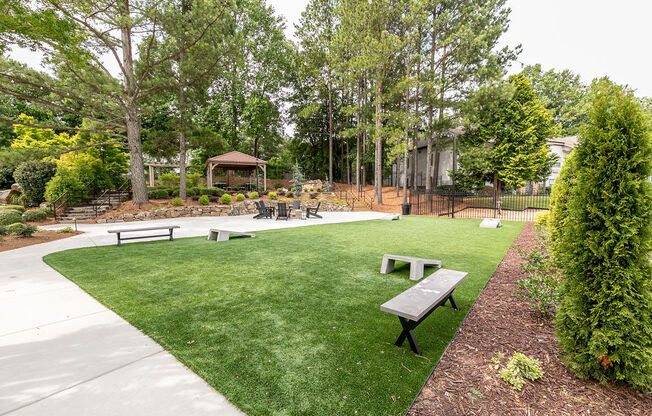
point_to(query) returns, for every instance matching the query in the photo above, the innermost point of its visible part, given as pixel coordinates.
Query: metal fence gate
(508, 206)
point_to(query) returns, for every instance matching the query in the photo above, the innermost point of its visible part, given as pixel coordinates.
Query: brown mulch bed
(502, 322)
(11, 242)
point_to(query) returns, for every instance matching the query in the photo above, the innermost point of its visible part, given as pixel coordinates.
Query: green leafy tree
(604, 320)
(511, 127)
(560, 197)
(562, 93)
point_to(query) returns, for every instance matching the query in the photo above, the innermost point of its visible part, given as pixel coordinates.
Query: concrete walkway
(63, 353)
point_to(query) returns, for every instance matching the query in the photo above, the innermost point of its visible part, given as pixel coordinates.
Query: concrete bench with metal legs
(417, 303)
(224, 235)
(119, 233)
(417, 265)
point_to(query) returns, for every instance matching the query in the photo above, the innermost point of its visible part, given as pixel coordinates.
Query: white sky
(592, 38)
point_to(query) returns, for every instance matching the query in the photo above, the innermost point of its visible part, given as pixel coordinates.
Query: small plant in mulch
(541, 287)
(65, 230)
(518, 368)
(177, 202)
(22, 230)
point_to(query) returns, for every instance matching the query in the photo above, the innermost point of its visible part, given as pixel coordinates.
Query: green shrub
(541, 287)
(169, 180)
(18, 208)
(6, 177)
(278, 185)
(604, 318)
(226, 199)
(177, 202)
(34, 215)
(518, 368)
(203, 200)
(192, 180)
(10, 216)
(47, 211)
(272, 195)
(32, 176)
(173, 191)
(289, 194)
(239, 197)
(3, 230)
(320, 190)
(64, 230)
(211, 191)
(158, 193)
(65, 180)
(22, 230)
(253, 195)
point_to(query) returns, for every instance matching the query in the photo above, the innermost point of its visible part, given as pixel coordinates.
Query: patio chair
(263, 212)
(283, 212)
(313, 211)
(271, 209)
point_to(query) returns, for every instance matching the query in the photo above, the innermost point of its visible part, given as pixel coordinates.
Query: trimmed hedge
(22, 230)
(158, 193)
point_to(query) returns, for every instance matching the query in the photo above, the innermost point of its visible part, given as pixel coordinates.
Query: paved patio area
(63, 353)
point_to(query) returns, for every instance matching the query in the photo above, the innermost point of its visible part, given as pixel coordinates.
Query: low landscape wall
(239, 208)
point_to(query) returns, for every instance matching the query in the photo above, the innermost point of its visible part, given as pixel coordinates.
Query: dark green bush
(34, 215)
(213, 198)
(604, 318)
(560, 196)
(204, 200)
(10, 216)
(158, 193)
(278, 185)
(173, 191)
(211, 191)
(6, 177)
(3, 230)
(18, 208)
(193, 191)
(33, 176)
(22, 230)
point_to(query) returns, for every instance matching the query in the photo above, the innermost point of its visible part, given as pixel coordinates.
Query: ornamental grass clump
(604, 319)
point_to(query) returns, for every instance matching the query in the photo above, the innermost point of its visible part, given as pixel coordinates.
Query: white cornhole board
(490, 223)
(391, 217)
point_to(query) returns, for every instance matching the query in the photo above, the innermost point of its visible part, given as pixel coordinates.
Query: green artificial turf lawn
(289, 322)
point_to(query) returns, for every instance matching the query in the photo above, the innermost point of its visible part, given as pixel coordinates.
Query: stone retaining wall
(239, 208)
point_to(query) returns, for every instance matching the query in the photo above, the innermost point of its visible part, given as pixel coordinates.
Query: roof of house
(234, 160)
(569, 141)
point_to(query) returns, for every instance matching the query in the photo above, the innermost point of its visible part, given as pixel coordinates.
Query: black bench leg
(118, 234)
(408, 326)
(171, 238)
(453, 304)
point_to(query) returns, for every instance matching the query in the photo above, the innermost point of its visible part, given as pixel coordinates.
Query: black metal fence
(478, 204)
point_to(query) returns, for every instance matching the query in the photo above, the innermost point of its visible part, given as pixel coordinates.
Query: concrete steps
(85, 212)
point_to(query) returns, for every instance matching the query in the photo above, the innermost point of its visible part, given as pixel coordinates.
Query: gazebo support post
(265, 177)
(209, 175)
(151, 175)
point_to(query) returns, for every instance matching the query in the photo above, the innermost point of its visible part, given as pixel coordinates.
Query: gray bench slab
(415, 304)
(417, 264)
(391, 217)
(490, 223)
(121, 231)
(224, 235)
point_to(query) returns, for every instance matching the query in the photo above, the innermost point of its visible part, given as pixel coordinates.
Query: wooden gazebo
(235, 161)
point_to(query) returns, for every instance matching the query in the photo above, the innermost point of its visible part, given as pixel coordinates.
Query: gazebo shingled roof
(234, 161)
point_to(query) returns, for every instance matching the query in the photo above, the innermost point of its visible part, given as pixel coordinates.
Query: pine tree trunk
(182, 133)
(132, 119)
(330, 127)
(378, 167)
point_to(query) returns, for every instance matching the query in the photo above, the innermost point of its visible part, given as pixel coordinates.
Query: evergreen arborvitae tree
(297, 186)
(560, 196)
(604, 320)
